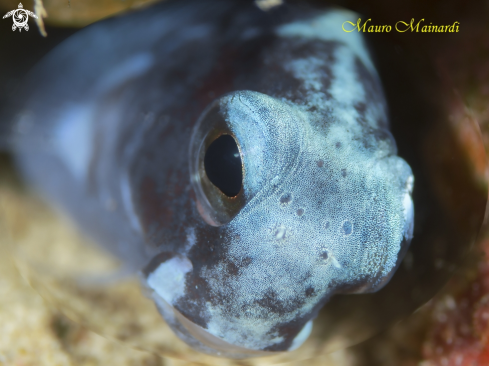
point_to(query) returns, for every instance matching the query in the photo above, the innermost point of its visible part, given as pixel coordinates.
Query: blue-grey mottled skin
(103, 130)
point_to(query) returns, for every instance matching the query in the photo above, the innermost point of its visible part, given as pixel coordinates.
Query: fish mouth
(165, 275)
(201, 339)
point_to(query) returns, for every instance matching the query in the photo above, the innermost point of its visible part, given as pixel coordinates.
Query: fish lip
(206, 342)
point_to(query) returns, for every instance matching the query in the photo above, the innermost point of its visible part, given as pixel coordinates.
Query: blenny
(240, 159)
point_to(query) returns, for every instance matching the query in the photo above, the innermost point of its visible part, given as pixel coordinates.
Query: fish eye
(216, 168)
(223, 165)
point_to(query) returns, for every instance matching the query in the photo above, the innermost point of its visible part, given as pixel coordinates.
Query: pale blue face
(326, 212)
(325, 203)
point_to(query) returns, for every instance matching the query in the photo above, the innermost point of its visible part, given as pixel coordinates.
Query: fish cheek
(174, 287)
(184, 296)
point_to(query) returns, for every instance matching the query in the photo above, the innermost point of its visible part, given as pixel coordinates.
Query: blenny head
(293, 212)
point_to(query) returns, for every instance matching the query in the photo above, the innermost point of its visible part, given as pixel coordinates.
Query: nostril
(347, 227)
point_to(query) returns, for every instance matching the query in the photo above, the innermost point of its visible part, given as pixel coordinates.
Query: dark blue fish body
(118, 121)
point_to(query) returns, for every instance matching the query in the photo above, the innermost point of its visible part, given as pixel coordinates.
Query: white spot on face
(73, 138)
(336, 263)
(301, 337)
(128, 69)
(280, 233)
(126, 194)
(168, 280)
(410, 184)
(309, 70)
(345, 87)
(408, 208)
(191, 238)
(266, 5)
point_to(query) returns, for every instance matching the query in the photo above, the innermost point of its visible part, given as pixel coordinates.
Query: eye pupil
(222, 164)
